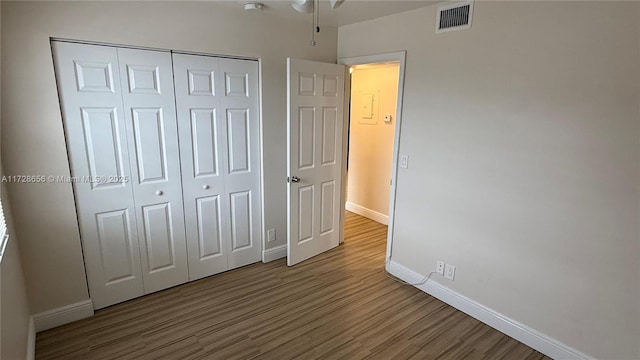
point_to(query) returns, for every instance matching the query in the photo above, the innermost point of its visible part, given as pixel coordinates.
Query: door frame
(393, 57)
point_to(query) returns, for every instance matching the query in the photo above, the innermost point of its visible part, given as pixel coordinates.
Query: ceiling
(351, 11)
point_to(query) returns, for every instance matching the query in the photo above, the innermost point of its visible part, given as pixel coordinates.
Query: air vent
(454, 16)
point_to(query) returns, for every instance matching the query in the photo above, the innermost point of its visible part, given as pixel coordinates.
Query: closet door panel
(240, 107)
(202, 130)
(209, 222)
(94, 122)
(151, 125)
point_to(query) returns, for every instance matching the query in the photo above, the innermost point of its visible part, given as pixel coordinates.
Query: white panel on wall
(366, 112)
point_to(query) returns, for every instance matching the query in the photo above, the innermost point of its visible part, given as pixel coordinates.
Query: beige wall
(33, 138)
(371, 140)
(523, 134)
(14, 306)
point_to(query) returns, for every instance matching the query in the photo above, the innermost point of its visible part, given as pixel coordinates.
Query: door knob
(159, 192)
(206, 187)
(295, 179)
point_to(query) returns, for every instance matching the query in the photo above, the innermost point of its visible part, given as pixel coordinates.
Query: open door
(315, 99)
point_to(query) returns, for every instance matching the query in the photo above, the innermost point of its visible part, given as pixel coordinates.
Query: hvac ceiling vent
(454, 16)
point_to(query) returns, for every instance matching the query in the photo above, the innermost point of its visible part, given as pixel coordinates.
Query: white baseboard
(531, 337)
(31, 340)
(62, 315)
(275, 253)
(368, 213)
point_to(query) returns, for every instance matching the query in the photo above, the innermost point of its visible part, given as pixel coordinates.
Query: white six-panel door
(94, 122)
(315, 95)
(202, 138)
(164, 193)
(242, 160)
(152, 133)
(217, 103)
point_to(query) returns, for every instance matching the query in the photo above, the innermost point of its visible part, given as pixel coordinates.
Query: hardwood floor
(339, 305)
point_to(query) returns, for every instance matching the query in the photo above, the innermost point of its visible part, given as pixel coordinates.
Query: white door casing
(400, 58)
(94, 122)
(217, 103)
(149, 108)
(315, 96)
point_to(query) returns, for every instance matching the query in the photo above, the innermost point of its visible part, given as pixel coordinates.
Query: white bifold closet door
(119, 118)
(152, 133)
(217, 106)
(91, 98)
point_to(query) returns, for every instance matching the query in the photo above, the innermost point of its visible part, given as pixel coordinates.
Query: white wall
(523, 134)
(371, 140)
(33, 138)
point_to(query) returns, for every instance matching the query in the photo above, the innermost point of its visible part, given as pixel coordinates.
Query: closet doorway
(164, 151)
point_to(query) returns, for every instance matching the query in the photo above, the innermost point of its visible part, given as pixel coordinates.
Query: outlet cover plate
(440, 267)
(450, 271)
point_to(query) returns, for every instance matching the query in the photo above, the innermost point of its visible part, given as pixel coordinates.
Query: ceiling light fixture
(253, 6)
(313, 6)
(303, 6)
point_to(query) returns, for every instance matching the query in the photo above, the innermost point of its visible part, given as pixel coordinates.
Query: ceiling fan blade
(336, 3)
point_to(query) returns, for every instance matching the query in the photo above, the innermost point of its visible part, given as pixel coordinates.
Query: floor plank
(338, 305)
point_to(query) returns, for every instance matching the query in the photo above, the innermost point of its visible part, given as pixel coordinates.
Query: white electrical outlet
(440, 267)
(450, 271)
(271, 235)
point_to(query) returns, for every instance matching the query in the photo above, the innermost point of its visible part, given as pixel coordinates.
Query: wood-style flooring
(339, 305)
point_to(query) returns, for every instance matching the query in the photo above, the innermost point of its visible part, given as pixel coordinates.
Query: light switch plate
(404, 161)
